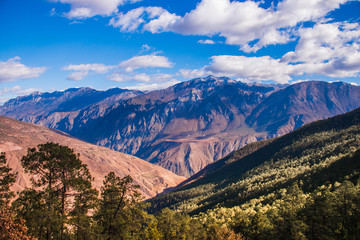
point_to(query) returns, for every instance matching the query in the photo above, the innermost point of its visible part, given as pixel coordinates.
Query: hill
(16, 137)
(318, 154)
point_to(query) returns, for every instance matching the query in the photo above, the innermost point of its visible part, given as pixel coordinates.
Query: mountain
(59, 109)
(322, 153)
(290, 108)
(187, 126)
(182, 128)
(16, 137)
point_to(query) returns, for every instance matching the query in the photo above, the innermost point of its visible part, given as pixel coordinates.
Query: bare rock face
(189, 125)
(16, 137)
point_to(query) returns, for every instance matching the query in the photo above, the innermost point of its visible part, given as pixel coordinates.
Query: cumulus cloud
(146, 61)
(241, 23)
(83, 70)
(328, 49)
(13, 70)
(251, 68)
(81, 9)
(325, 41)
(331, 49)
(153, 19)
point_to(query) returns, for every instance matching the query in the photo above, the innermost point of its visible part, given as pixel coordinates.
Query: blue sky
(48, 45)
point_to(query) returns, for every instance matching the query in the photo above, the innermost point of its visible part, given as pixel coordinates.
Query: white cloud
(13, 70)
(331, 49)
(53, 12)
(328, 49)
(8, 93)
(251, 68)
(153, 19)
(117, 77)
(141, 77)
(244, 22)
(146, 61)
(145, 48)
(240, 23)
(95, 67)
(88, 8)
(83, 70)
(194, 73)
(206, 41)
(153, 86)
(18, 90)
(77, 76)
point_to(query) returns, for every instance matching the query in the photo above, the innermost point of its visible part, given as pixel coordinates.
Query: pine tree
(120, 214)
(59, 175)
(7, 178)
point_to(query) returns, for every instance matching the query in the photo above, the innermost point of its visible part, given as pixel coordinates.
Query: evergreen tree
(60, 176)
(288, 224)
(120, 214)
(7, 178)
(11, 227)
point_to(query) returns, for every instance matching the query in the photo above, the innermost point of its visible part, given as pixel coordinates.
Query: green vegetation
(304, 185)
(249, 190)
(7, 178)
(63, 205)
(11, 226)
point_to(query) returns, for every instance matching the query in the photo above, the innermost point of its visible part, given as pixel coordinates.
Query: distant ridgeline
(302, 185)
(185, 127)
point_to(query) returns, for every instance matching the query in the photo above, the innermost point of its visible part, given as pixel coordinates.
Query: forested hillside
(284, 186)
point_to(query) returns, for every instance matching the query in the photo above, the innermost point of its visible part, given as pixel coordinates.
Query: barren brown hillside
(16, 137)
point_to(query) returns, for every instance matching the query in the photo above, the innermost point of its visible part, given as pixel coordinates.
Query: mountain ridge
(191, 124)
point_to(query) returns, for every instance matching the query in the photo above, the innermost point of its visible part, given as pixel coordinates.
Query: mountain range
(16, 137)
(185, 127)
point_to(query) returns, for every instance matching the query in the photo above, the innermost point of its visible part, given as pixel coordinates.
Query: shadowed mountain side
(314, 155)
(290, 108)
(16, 137)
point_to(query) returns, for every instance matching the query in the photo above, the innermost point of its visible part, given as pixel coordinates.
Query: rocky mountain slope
(59, 109)
(325, 152)
(189, 125)
(16, 137)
